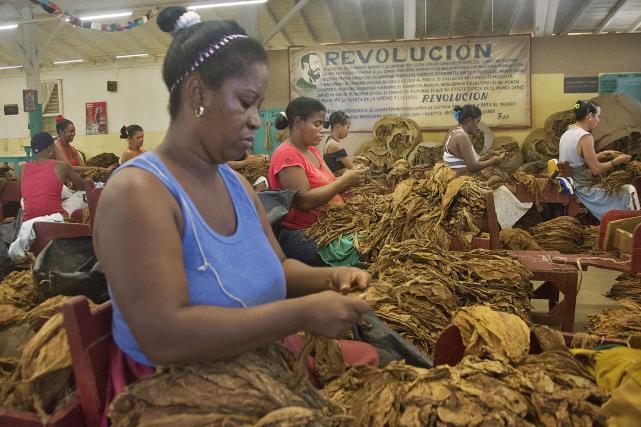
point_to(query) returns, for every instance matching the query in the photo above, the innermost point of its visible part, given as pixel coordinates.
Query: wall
(142, 96)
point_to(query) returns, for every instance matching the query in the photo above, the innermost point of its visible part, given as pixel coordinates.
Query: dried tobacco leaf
(18, 289)
(626, 287)
(518, 240)
(103, 160)
(616, 322)
(615, 178)
(255, 170)
(255, 387)
(563, 234)
(97, 174)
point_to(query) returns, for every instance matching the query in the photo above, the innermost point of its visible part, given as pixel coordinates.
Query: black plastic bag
(69, 267)
(277, 203)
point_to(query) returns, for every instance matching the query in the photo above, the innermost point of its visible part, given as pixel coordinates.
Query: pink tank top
(40, 187)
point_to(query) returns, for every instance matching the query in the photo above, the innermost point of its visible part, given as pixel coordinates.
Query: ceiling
(310, 22)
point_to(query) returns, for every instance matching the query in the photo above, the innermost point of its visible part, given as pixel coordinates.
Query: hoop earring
(200, 111)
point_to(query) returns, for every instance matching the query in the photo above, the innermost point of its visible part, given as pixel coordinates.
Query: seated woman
(42, 179)
(459, 153)
(296, 164)
(335, 155)
(135, 137)
(65, 152)
(577, 148)
(213, 282)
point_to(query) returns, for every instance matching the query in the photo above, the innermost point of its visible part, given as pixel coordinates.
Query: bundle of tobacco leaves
(97, 174)
(549, 389)
(256, 388)
(509, 149)
(494, 177)
(540, 145)
(617, 322)
(6, 175)
(438, 207)
(103, 160)
(518, 240)
(255, 170)
(400, 171)
(418, 310)
(535, 185)
(563, 234)
(626, 287)
(18, 289)
(558, 123)
(426, 153)
(619, 176)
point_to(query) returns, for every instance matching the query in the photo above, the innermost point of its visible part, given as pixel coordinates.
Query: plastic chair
(91, 345)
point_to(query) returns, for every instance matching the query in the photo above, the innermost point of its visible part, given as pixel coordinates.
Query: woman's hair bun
(281, 122)
(123, 132)
(59, 118)
(168, 17)
(458, 108)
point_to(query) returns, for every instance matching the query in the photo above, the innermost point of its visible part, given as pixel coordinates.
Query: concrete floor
(591, 298)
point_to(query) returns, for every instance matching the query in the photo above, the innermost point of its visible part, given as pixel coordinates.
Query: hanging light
(225, 4)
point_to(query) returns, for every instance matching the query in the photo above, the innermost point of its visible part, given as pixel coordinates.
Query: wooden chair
(10, 192)
(47, 231)
(93, 195)
(91, 345)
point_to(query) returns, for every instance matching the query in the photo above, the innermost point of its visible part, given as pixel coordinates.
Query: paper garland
(54, 9)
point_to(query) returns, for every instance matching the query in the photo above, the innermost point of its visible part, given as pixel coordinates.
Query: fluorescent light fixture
(105, 16)
(225, 4)
(135, 55)
(70, 61)
(9, 27)
(10, 67)
(578, 34)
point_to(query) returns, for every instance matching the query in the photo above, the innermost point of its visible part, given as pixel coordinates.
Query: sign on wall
(29, 100)
(626, 83)
(422, 79)
(96, 113)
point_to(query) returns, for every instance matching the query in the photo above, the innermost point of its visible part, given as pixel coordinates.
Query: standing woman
(297, 165)
(459, 153)
(210, 280)
(64, 150)
(135, 137)
(577, 148)
(335, 155)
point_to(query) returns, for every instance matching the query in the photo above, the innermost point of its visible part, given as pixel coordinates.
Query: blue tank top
(239, 270)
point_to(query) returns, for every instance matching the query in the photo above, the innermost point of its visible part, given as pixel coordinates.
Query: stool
(557, 279)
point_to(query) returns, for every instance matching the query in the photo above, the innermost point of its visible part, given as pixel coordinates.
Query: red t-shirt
(287, 156)
(40, 187)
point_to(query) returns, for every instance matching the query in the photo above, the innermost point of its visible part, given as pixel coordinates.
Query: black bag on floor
(69, 267)
(277, 203)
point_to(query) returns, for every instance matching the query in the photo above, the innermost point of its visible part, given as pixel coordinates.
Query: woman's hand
(345, 279)
(354, 177)
(621, 159)
(330, 314)
(605, 153)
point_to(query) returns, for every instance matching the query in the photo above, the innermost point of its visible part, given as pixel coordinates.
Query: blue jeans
(297, 246)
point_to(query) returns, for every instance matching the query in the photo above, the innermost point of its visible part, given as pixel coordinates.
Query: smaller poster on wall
(29, 100)
(96, 113)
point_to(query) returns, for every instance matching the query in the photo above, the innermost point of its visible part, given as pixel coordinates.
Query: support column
(409, 19)
(31, 66)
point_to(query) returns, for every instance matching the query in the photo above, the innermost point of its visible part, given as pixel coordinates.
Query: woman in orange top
(64, 151)
(135, 137)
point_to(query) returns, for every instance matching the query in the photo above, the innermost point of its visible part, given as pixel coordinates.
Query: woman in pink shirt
(296, 164)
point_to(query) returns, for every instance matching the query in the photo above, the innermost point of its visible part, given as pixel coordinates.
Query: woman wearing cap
(135, 137)
(42, 179)
(577, 148)
(64, 150)
(211, 281)
(459, 153)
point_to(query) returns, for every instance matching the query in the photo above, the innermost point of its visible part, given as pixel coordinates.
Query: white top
(450, 159)
(567, 146)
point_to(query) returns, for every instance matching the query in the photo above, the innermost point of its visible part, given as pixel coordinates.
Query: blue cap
(41, 141)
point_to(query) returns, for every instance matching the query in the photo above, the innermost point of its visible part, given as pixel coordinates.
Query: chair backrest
(92, 200)
(492, 221)
(10, 192)
(91, 345)
(565, 169)
(47, 231)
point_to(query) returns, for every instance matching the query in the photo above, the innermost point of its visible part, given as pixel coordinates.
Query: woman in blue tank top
(193, 267)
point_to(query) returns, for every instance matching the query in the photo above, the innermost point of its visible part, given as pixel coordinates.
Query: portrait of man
(310, 65)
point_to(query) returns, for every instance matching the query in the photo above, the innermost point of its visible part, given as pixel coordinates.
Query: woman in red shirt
(296, 164)
(42, 179)
(64, 151)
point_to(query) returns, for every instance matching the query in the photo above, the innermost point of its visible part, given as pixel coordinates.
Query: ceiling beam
(409, 19)
(285, 19)
(635, 25)
(487, 9)
(608, 18)
(516, 12)
(272, 17)
(330, 17)
(545, 17)
(577, 14)
(51, 37)
(309, 29)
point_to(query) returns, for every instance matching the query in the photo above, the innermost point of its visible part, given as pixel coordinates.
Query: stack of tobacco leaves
(103, 160)
(619, 176)
(626, 287)
(18, 289)
(475, 277)
(590, 239)
(255, 170)
(534, 185)
(563, 234)
(6, 175)
(417, 310)
(518, 240)
(36, 368)
(426, 153)
(256, 388)
(437, 208)
(540, 145)
(548, 389)
(494, 178)
(558, 123)
(617, 322)
(97, 174)
(400, 171)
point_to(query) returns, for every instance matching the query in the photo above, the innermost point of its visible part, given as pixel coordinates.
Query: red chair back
(92, 200)
(47, 231)
(91, 345)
